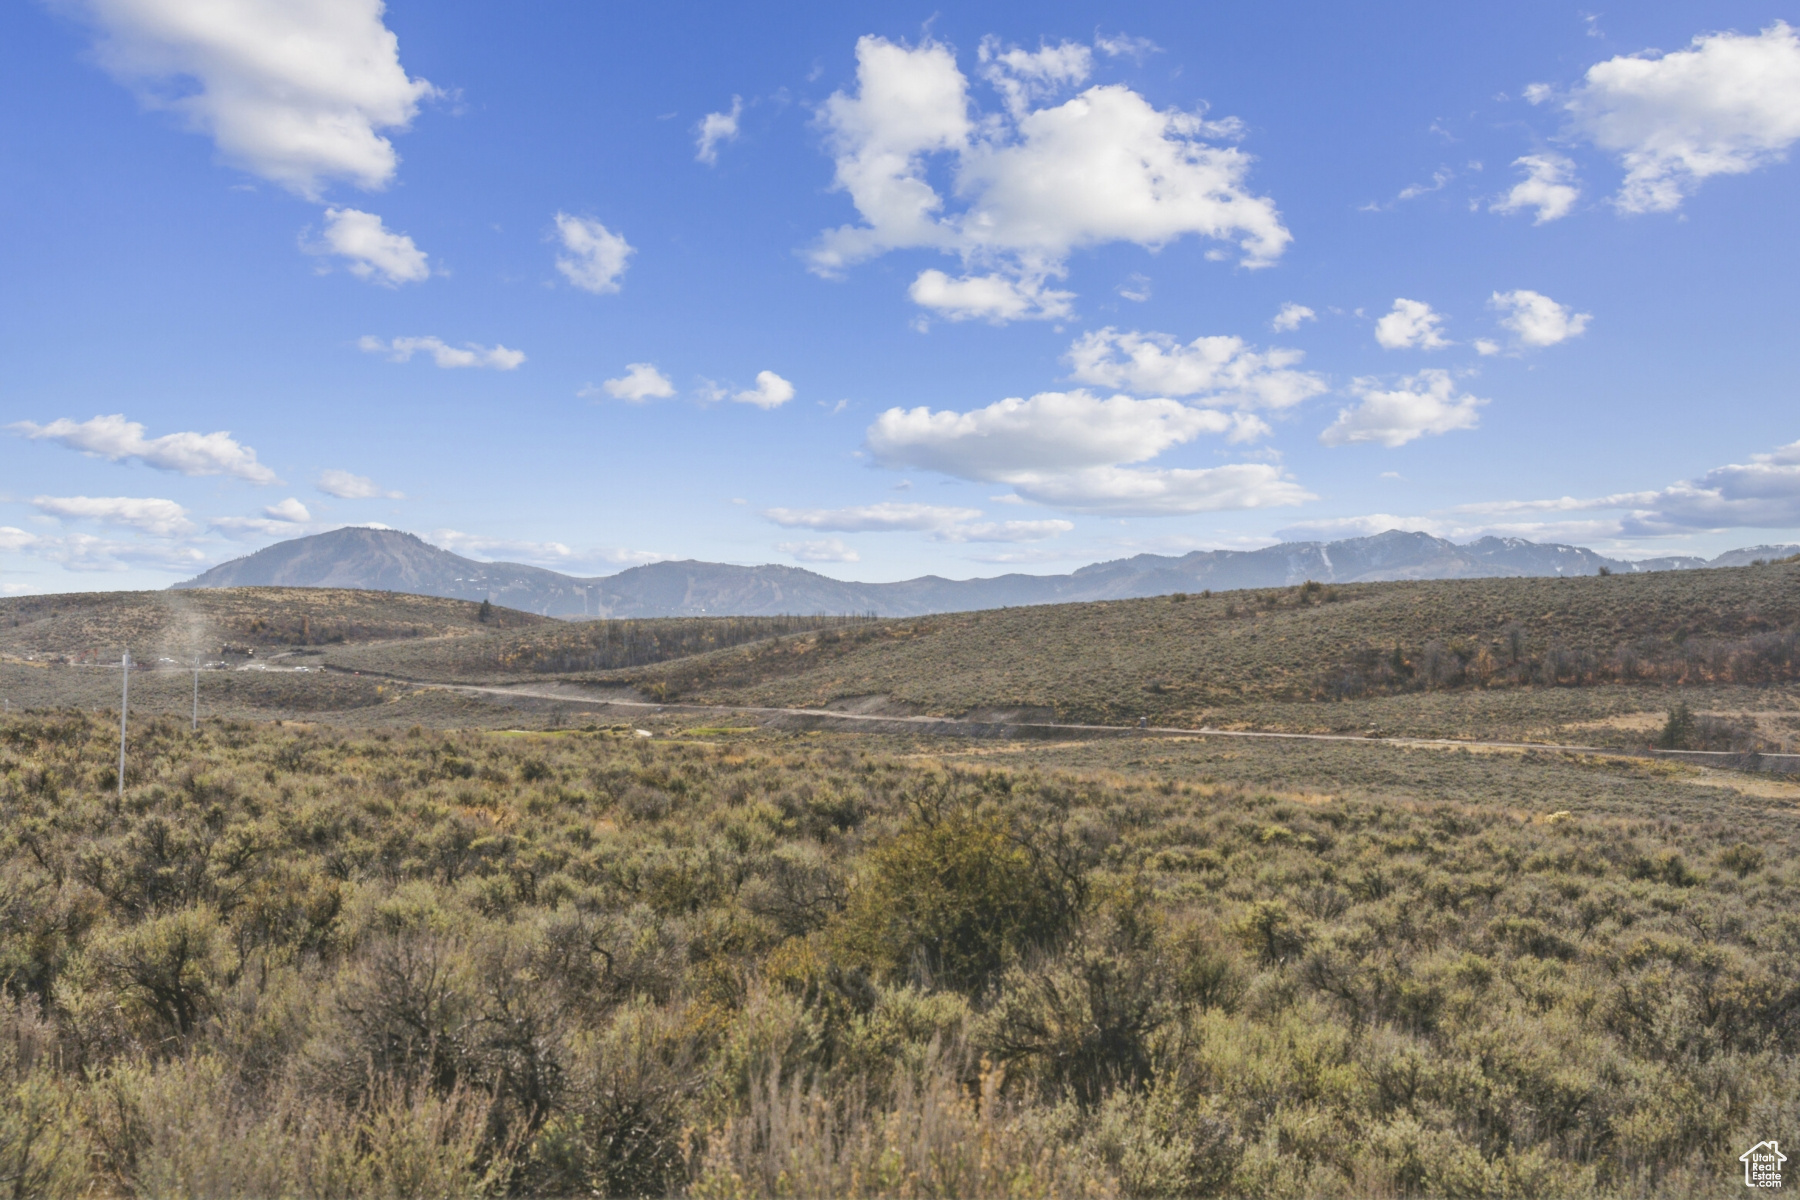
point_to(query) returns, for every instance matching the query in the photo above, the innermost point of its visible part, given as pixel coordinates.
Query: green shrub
(44, 1148)
(1079, 1024)
(619, 1130)
(1742, 859)
(1268, 930)
(168, 970)
(951, 896)
(1166, 1141)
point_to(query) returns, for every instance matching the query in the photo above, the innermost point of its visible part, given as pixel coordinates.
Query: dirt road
(825, 718)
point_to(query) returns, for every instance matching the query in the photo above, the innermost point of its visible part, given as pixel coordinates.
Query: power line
(124, 708)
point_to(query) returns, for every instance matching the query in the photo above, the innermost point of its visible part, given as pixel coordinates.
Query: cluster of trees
(1514, 659)
(279, 624)
(289, 629)
(1688, 730)
(305, 963)
(1306, 595)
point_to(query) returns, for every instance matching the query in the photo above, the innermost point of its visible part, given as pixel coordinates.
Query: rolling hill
(1184, 660)
(84, 626)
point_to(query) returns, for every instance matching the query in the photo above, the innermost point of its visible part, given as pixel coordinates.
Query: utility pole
(124, 707)
(196, 693)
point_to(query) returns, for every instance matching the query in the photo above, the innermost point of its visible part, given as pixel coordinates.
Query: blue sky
(885, 291)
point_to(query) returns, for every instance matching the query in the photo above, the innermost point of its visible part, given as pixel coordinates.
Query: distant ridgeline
(388, 560)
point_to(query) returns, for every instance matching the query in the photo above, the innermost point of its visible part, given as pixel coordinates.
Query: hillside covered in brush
(180, 625)
(1178, 658)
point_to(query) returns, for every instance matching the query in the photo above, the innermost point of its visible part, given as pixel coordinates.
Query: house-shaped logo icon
(1762, 1165)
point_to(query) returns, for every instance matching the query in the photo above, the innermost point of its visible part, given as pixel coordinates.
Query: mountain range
(389, 560)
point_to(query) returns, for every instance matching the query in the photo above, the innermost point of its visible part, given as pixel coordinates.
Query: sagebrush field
(299, 961)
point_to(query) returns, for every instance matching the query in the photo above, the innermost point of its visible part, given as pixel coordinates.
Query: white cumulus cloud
(995, 297)
(1124, 45)
(819, 550)
(298, 92)
(886, 517)
(771, 391)
(1223, 369)
(944, 523)
(1727, 105)
(556, 555)
(716, 127)
(289, 518)
(1149, 491)
(1410, 325)
(1051, 431)
(346, 486)
(1024, 76)
(1331, 529)
(1035, 182)
(1291, 317)
(1452, 528)
(115, 438)
(161, 518)
(1537, 319)
(1762, 493)
(1424, 403)
(1066, 449)
(641, 381)
(514, 550)
(291, 510)
(1439, 178)
(594, 256)
(1549, 187)
(88, 552)
(1004, 531)
(469, 354)
(372, 250)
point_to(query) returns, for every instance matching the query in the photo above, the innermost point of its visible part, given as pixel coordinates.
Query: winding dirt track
(825, 718)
